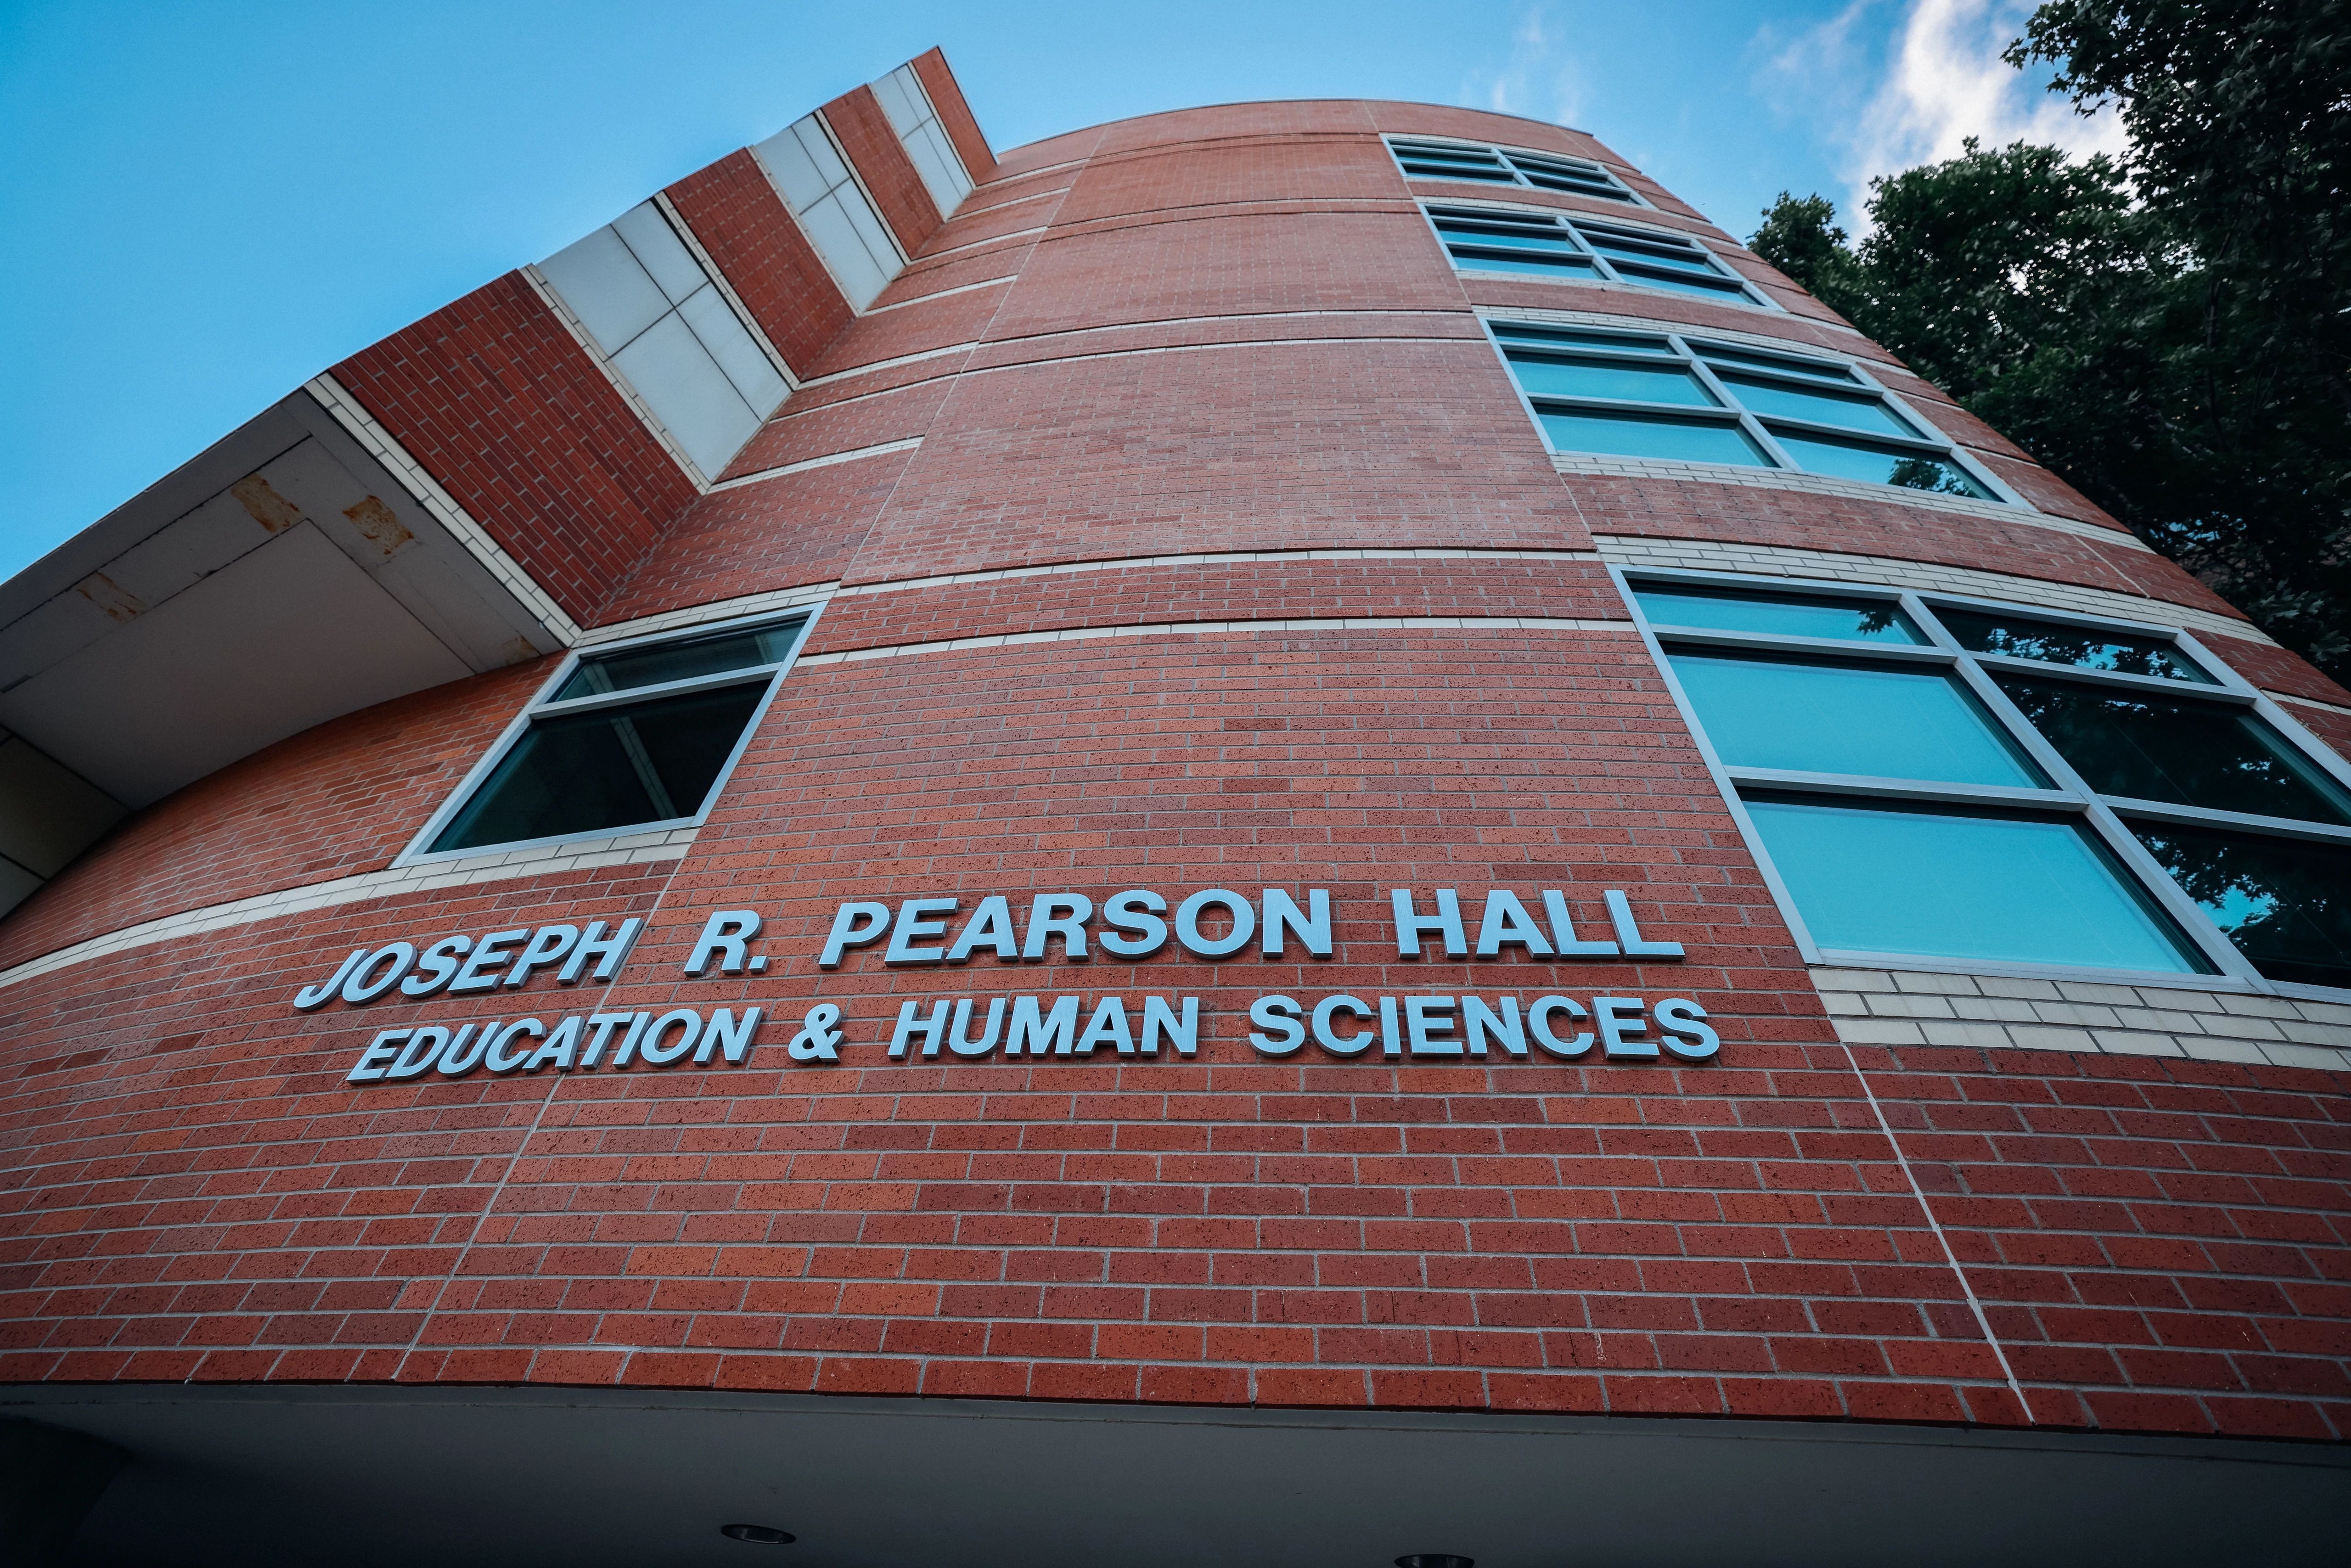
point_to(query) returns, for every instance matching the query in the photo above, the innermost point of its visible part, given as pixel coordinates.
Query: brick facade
(1210, 546)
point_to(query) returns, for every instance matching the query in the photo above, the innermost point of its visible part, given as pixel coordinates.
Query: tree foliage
(2171, 333)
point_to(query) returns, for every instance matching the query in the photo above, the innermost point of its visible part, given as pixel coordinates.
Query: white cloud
(1537, 78)
(1915, 92)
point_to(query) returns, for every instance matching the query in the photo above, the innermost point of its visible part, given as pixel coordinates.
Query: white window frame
(1745, 293)
(543, 705)
(2070, 796)
(1934, 443)
(1505, 155)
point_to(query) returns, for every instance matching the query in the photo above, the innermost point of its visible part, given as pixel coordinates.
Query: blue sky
(208, 204)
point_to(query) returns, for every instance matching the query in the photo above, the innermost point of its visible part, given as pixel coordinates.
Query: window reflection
(2187, 753)
(2286, 904)
(2053, 645)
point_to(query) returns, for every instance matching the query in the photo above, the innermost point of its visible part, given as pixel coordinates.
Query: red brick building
(1300, 831)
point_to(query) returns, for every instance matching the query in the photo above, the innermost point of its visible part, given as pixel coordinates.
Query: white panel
(901, 100)
(802, 182)
(871, 229)
(688, 393)
(46, 815)
(656, 244)
(289, 636)
(940, 175)
(600, 278)
(837, 240)
(813, 137)
(746, 364)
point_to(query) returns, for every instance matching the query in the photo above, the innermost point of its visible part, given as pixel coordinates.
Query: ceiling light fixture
(766, 1535)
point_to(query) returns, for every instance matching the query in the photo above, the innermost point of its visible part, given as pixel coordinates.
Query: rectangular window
(1508, 166)
(1966, 783)
(1595, 392)
(1564, 244)
(638, 737)
(832, 208)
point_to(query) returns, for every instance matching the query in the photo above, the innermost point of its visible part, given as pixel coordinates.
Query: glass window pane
(1852, 620)
(2052, 643)
(680, 661)
(1652, 435)
(1716, 289)
(1510, 331)
(1865, 413)
(1553, 241)
(1595, 378)
(1563, 266)
(2286, 903)
(1658, 256)
(1955, 884)
(581, 773)
(1718, 354)
(2188, 753)
(1849, 718)
(1908, 469)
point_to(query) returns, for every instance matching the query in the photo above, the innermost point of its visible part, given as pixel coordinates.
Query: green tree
(2168, 332)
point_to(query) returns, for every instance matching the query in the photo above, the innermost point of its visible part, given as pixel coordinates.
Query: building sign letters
(949, 932)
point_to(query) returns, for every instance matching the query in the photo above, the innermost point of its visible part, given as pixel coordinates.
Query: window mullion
(2117, 835)
(2230, 821)
(2197, 925)
(594, 700)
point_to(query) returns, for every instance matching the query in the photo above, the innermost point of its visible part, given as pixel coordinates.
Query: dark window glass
(1848, 620)
(680, 661)
(615, 767)
(1555, 174)
(1617, 248)
(1711, 288)
(2189, 753)
(1506, 238)
(2054, 644)
(2286, 904)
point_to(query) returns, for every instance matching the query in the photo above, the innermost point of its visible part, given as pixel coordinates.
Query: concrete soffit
(301, 568)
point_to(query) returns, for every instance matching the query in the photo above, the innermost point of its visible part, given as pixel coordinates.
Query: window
(1553, 245)
(1945, 782)
(662, 323)
(1507, 166)
(1666, 395)
(832, 208)
(916, 122)
(636, 737)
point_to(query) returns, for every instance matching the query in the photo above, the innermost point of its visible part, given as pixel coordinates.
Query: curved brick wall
(1205, 356)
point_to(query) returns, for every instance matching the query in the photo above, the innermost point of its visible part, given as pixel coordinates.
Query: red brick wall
(1235, 337)
(955, 115)
(734, 210)
(509, 414)
(881, 160)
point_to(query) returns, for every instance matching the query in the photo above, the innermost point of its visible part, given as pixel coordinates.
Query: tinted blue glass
(1604, 378)
(1511, 332)
(1853, 621)
(1865, 413)
(1717, 289)
(1908, 470)
(1510, 239)
(1647, 435)
(2028, 890)
(1522, 261)
(679, 661)
(1717, 352)
(1849, 718)
(1615, 250)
